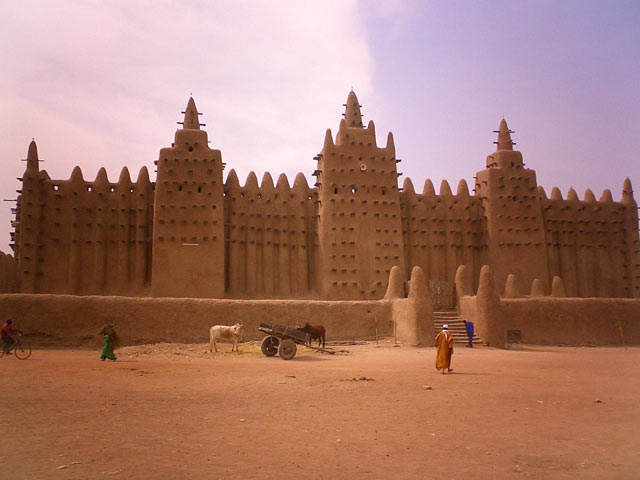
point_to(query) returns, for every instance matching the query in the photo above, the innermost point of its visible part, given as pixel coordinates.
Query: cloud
(102, 83)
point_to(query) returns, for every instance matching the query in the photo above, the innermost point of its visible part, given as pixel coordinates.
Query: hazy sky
(101, 83)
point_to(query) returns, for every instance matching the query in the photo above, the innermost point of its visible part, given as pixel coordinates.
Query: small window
(199, 189)
(179, 188)
(112, 189)
(89, 189)
(56, 187)
(335, 190)
(353, 190)
(191, 149)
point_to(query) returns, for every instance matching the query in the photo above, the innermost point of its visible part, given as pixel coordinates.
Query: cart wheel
(269, 346)
(287, 349)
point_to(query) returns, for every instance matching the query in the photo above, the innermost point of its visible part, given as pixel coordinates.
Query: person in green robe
(110, 342)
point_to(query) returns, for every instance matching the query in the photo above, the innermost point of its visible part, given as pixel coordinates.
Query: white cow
(224, 332)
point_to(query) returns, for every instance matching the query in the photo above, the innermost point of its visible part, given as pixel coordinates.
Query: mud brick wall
(443, 231)
(68, 320)
(191, 234)
(271, 237)
(547, 320)
(83, 237)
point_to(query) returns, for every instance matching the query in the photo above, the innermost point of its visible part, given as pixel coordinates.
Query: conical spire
(407, 186)
(143, 176)
(445, 189)
(267, 181)
(300, 182)
(589, 197)
(232, 180)
(371, 128)
(627, 192)
(511, 287)
(328, 140)
(391, 144)
(504, 136)
(557, 287)
(606, 196)
(541, 193)
(352, 115)
(463, 188)
(395, 288)
(191, 121)
(101, 178)
(487, 293)
(251, 184)
(428, 189)
(32, 157)
(556, 194)
(76, 175)
(283, 182)
(464, 286)
(418, 285)
(125, 177)
(537, 288)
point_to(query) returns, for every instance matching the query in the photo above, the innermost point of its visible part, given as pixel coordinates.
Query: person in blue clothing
(469, 327)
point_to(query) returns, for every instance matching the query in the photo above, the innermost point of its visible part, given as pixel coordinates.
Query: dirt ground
(173, 412)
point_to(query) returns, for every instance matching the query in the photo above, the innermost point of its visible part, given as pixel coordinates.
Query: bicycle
(20, 350)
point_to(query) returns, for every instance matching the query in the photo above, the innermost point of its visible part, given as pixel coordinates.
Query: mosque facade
(192, 234)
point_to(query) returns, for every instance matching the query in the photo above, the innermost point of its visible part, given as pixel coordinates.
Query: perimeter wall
(74, 321)
(547, 320)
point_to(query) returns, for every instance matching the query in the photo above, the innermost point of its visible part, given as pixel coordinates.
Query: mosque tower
(27, 224)
(360, 231)
(188, 223)
(508, 192)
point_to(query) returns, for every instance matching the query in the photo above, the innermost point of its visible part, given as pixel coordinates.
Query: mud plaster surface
(172, 411)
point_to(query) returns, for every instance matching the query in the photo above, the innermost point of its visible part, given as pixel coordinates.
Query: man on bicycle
(6, 334)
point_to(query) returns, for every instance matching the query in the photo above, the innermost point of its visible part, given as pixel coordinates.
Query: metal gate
(443, 294)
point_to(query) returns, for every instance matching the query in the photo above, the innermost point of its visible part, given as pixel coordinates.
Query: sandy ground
(174, 412)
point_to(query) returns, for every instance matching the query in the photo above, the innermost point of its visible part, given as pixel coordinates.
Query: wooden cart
(281, 340)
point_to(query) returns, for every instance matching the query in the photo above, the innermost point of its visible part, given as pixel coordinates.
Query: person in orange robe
(444, 344)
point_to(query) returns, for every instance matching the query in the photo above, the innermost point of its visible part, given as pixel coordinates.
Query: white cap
(445, 326)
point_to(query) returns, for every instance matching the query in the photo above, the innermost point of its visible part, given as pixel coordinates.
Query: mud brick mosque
(192, 234)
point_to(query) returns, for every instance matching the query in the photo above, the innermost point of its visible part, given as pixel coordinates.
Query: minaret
(511, 202)
(188, 223)
(191, 120)
(360, 232)
(632, 240)
(353, 115)
(27, 223)
(504, 137)
(504, 156)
